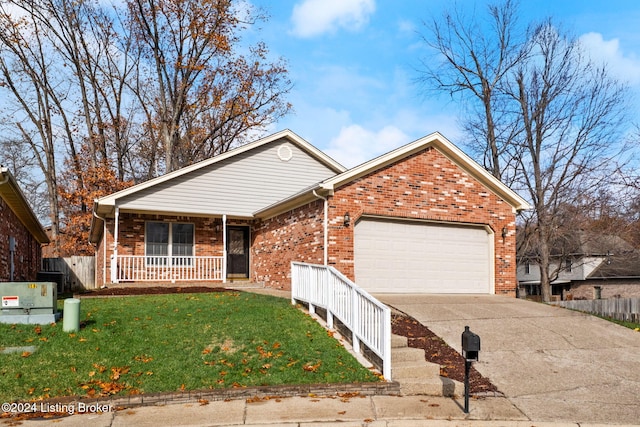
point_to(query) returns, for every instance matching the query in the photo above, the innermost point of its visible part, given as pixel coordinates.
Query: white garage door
(422, 257)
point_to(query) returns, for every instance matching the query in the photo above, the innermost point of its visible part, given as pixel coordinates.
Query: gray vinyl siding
(237, 186)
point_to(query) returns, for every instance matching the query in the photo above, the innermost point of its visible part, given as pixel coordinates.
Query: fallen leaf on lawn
(312, 368)
(203, 402)
(182, 387)
(37, 330)
(26, 354)
(100, 368)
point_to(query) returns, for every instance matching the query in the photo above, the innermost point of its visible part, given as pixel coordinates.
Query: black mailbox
(470, 344)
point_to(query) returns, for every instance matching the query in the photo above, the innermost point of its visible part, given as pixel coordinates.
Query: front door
(237, 252)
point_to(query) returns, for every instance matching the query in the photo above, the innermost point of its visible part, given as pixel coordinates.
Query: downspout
(326, 227)
(104, 248)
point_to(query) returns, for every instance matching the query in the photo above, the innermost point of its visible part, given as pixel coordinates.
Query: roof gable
(444, 146)
(236, 183)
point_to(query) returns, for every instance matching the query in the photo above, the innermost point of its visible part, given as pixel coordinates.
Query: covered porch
(145, 247)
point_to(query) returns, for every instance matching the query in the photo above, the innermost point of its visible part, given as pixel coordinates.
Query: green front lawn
(147, 344)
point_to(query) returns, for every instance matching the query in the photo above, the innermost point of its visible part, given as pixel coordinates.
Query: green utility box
(29, 302)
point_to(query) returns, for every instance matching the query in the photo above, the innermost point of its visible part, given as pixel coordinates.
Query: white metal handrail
(140, 268)
(368, 319)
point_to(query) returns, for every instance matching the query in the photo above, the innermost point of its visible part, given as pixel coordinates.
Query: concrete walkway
(371, 411)
(552, 364)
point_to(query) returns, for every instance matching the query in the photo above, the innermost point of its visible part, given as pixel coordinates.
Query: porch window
(164, 238)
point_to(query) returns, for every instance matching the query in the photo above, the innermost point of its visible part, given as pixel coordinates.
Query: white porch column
(224, 248)
(114, 258)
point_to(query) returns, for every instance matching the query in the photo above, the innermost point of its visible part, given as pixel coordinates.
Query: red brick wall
(297, 235)
(426, 185)
(610, 288)
(28, 255)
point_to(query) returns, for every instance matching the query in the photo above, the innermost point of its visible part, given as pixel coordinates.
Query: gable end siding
(237, 186)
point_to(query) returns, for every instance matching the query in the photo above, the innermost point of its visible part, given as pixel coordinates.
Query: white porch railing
(367, 318)
(140, 268)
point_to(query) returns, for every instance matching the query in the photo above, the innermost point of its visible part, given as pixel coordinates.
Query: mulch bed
(436, 350)
(419, 336)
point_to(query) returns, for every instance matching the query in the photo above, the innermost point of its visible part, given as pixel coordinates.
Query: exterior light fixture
(505, 231)
(347, 219)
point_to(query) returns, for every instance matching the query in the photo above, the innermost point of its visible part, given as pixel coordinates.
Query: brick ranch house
(21, 235)
(421, 218)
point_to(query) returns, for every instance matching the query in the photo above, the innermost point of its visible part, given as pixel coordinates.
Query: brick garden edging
(258, 392)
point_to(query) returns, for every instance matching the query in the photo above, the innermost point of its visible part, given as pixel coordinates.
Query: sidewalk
(372, 411)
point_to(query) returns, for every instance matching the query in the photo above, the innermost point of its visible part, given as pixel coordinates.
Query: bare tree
(206, 95)
(471, 60)
(141, 87)
(560, 112)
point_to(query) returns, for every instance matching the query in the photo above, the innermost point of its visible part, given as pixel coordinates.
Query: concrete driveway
(551, 363)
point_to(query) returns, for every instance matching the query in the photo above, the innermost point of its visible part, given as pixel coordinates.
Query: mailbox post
(470, 351)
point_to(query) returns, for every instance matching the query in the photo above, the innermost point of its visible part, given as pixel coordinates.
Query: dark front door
(237, 252)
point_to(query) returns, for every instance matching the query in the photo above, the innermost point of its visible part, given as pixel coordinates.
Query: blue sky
(354, 64)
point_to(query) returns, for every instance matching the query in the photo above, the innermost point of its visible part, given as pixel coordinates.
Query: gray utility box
(29, 302)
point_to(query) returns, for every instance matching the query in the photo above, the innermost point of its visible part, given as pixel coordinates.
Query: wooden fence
(78, 272)
(627, 309)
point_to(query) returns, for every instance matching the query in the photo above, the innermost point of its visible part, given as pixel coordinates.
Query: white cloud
(314, 17)
(355, 144)
(608, 51)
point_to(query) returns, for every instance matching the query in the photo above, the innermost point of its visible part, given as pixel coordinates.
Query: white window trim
(170, 241)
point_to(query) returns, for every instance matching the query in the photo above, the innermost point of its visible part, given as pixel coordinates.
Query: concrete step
(412, 370)
(403, 354)
(398, 341)
(435, 386)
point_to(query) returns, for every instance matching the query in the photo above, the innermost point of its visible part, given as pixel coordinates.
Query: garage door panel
(421, 257)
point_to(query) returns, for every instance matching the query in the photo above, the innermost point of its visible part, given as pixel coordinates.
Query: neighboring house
(21, 234)
(421, 218)
(588, 266)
